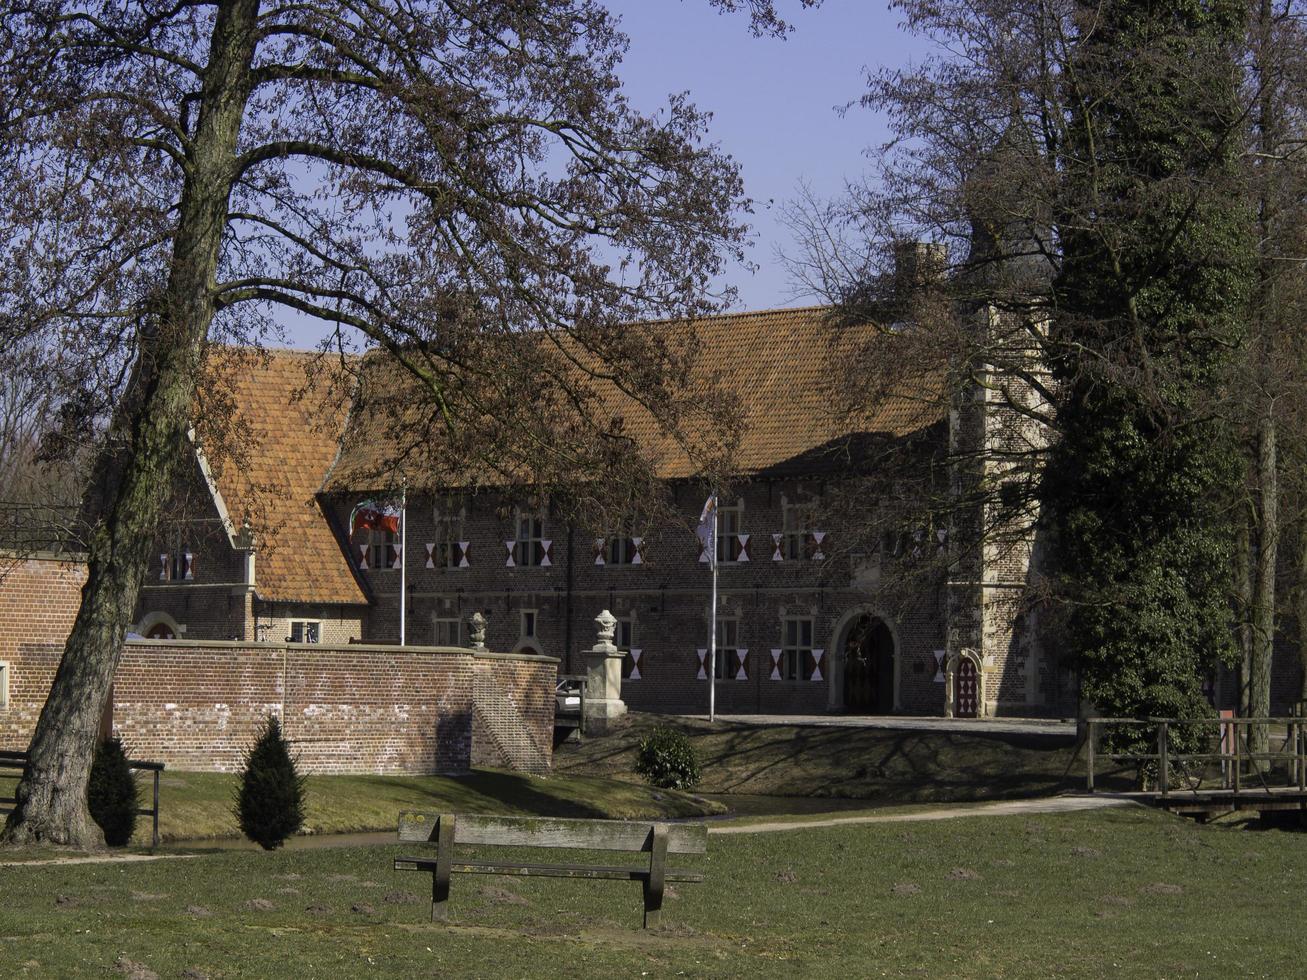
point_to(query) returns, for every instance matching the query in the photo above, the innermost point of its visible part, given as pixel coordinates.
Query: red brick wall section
(38, 603)
(199, 704)
(513, 721)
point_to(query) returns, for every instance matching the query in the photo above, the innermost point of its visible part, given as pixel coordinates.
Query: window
(728, 634)
(177, 562)
(448, 632)
(795, 527)
(622, 550)
(624, 639)
(305, 631)
(448, 516)
(383, 546)
(529, 546)
(728, 532)
(4, 685)
(796, 648)
(528, 624)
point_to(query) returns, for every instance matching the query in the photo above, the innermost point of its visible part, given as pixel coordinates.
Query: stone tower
(994, 661)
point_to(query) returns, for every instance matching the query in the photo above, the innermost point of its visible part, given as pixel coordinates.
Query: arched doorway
(869, 667)
(160, 631)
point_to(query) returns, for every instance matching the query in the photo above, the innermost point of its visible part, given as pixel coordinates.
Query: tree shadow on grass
(491, 791)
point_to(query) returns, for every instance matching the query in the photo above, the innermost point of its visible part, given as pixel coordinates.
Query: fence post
(1090, 779)
(1299, 744)
(155, 816)
(1234, 764)
(1163, 760)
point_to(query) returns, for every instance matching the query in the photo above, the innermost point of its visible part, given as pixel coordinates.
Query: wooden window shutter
(599, 550)
(742, 654)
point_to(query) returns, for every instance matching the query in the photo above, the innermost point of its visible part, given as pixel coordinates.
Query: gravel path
(1006, 808)
(971, 726)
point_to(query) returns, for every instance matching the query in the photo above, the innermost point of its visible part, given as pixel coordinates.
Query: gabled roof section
(782, 366)
(290, 421)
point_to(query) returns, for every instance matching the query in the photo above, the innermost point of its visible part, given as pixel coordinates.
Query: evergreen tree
(270, 801)
(111, 793)
(1150, 304)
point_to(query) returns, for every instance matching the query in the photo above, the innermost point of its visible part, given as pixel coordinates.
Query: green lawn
(1117, 892)
(197, 805)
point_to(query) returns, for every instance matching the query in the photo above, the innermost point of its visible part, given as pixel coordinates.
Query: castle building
(290, 544)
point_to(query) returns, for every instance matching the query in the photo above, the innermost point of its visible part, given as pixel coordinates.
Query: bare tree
(460, 183)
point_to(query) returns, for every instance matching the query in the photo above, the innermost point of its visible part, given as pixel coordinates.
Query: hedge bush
(270, 799)
(111, 793)
(667, 759)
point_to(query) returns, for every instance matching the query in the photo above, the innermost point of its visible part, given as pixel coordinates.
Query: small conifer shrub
(111, 792)
(667, 759)
(270, 799)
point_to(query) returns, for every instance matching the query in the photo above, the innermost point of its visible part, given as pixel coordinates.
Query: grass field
(1119, 892)
(857, 763)
(198, 805)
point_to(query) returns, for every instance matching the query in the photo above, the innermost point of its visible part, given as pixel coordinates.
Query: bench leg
(440, 877)
(653, 887)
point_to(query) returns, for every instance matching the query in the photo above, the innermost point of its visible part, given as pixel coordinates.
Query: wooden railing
(1235, 762)
(18, 760)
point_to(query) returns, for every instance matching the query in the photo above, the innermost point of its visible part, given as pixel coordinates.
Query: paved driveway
(1000, 726)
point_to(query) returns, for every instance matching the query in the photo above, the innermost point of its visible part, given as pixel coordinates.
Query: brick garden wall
(198, 704)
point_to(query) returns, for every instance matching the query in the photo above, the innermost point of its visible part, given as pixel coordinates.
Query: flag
(707, 529)
(370, 514)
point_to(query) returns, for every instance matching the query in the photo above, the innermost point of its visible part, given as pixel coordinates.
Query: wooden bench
(446, 830)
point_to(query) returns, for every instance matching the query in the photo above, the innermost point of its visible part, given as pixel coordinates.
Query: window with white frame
(383, 545)
(448, 516)
(796, 526)
(796, 648)
(448, 631)
(529, 540)
(305, 631)
(4, 684)
(728, 532)
(177, 563)
(623, 549)
(728, 636)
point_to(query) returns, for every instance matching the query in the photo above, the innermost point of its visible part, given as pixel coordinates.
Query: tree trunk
(1300, 610)
(1263, 613)
(135, 469)
(1243, 566)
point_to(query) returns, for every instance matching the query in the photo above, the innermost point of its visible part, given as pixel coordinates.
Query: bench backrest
(599, 835)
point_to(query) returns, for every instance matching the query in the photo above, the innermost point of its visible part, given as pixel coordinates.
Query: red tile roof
(295, 429)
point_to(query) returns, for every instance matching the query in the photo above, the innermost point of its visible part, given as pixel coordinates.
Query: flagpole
(712, 624)
(403, 560)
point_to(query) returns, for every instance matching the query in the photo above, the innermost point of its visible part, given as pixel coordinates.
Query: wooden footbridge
(1204, 767)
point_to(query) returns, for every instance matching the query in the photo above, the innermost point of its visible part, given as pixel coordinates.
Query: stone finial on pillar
(607, 624)
(603, 669)
(477, 631)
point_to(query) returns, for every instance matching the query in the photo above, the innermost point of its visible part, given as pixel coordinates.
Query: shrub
(668, 760)
(111, 793)
(270, 799)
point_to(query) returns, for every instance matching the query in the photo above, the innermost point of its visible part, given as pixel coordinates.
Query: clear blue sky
(774, 101)
(774, 104)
